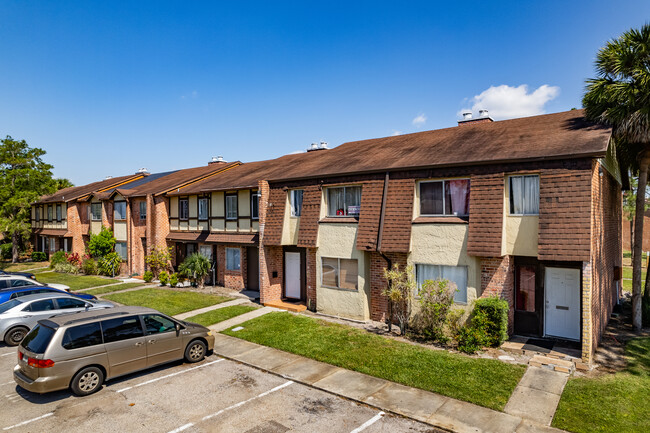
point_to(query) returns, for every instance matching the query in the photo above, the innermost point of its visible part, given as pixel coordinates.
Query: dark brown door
(253, 268)
(528, 298)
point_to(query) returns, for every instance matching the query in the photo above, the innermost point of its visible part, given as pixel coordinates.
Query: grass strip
(485, 382)
(170, 302)
(220, 314)
(22, 267)
(115, 288)
(75, 282)
(611, 403)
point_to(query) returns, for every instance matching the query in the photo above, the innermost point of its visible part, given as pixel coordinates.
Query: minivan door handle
(151, 341)
(139, 343)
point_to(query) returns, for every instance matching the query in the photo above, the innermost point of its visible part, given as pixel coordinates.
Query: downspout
(380, 233)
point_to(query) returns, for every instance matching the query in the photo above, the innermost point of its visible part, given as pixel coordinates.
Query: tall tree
(24, 177)
(62, 183)
(620, 97)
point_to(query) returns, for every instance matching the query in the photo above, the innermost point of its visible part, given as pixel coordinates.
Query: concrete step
(289, 306)
(560, 365)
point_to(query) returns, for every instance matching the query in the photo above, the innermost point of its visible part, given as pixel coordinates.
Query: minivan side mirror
(88, 305)
(178, 328)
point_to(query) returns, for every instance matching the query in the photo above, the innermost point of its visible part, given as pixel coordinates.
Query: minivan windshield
(4, 307)
(38, 339)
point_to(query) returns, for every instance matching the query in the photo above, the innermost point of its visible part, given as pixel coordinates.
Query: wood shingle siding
(371, 196)
(486, 215)
(565, 212)
(308, 226)
(396, 236)
(275, 216)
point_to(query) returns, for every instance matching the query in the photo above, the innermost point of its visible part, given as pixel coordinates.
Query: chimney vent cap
(483, 113)
(467, 115)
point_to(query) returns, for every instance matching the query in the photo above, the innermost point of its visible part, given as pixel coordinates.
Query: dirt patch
(317, 406)
(243, 380)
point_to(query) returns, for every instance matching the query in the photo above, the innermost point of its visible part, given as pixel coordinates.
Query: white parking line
(368, 423)
(7, 354)
(169, 375)
(28, 421)
(234, 406)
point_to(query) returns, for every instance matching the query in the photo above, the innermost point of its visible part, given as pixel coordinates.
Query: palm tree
(620, 98)
(195, 267)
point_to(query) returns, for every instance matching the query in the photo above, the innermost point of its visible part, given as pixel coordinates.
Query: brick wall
(646, 232)
(308, 227)
(137, 231)
(371, 197)
(486, 214)
(275, 202)
(498, 280)
(270, 263)
(311, 278)
(396, 236)
(379, 302)
(77, 215)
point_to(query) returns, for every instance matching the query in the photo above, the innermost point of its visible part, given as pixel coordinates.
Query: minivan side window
(157, 324)
(123, 328)
(80, 336)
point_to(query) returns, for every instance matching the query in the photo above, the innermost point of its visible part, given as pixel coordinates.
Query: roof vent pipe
(143, 171)
(467, 115)
(108, 177)
(323, 145)
(216, 159)
(482, 113)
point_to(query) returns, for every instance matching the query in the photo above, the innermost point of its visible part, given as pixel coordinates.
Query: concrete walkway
(424, 406)
(537, 395)
(184, 316)
(218, 327)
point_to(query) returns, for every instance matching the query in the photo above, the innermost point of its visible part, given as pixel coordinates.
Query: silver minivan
(81, 351)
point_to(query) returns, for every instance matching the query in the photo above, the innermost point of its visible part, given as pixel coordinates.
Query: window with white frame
(119, 210)
(295, 198)
(255, 205)
(96, 211)
(120, 249)
(143, 210)
(344, 201)
(203, 208)
(231, 206)
(455, 274)
(524, 195)
(445, 197)
(58, 213)
(340, 273)
(183, 208)
(49, 213)
(52, 245)
(233, 259)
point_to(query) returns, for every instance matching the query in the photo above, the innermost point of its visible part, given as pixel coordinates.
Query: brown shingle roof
(75, 192)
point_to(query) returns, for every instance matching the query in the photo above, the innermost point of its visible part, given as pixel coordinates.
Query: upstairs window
(255, 205)
(344, 201)
(524, 195)
(37, 214)
(143, 210)
(203, 208)
(58, 212)
(119, 212)
(49, 213)
(445, 197)
(183, 208)
(96, 211)
(231, 206)
(295, 198)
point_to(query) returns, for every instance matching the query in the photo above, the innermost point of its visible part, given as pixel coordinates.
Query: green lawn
(613, 403)
(170, 302)
(22, 267)
(627, 285)
(76, 282)
(627, 272)
(484, 382)
(219, 315)
(115, 288)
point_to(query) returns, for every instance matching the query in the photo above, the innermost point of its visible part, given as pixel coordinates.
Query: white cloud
(420, 120)
(396, 132)
(507, 102)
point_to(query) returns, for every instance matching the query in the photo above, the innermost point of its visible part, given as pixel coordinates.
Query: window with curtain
(340, 273)
(231, 207)
(183, 208)
(344, 201)
(96, 211)
(445, 197)
(120, 249)
(255, 205)
(524, 195)
(49, 213)
(119, 210)
(58, 213)
(206, 251)
(203, 208)
(37, 214)
(455, 274)
(143, 210)
(233, 259)
(295, 197)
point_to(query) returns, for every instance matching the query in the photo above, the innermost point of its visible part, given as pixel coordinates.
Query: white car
(12, 281)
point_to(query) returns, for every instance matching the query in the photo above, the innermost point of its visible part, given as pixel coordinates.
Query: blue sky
(109, 87)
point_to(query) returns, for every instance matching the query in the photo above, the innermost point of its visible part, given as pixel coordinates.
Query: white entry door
(292, 275)
(562, 301)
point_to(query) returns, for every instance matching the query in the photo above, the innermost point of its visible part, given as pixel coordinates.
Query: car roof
(20, 288)
(15, 276)
(90, 316)
(37, 296)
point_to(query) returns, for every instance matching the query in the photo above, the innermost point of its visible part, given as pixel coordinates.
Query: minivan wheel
(195, 351)
(15, 335)
(87, 381)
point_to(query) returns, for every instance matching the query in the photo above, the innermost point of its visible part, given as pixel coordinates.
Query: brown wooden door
(253, 268)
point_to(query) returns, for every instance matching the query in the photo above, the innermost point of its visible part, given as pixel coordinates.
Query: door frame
(303, 272)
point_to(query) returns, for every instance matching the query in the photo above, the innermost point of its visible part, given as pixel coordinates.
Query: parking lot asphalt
(216, 395)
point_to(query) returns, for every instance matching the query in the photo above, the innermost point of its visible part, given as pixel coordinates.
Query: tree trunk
(638, 243)
(15, 252)
(631, 235)
(646, 290)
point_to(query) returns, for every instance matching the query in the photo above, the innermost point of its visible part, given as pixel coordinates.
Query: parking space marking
(28, 421)
(169, 375)
(7, 354)
(234, 406)
(368, 423)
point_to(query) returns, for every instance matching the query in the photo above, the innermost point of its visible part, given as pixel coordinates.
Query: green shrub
(89, 267)
(39, 256)
(110, 264)
(469, 339)
(147, 276)
(435, 299)
(163, 277)
(56, 258)
(173, 280)
(491, 316)
(159, 259)
(66, 268)
(102, 243)
(196, 267)
(5, 251)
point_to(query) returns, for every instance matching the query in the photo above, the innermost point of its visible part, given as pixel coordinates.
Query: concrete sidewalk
(424, 406)
(537, 395)
(184, 316)
(218, 327)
